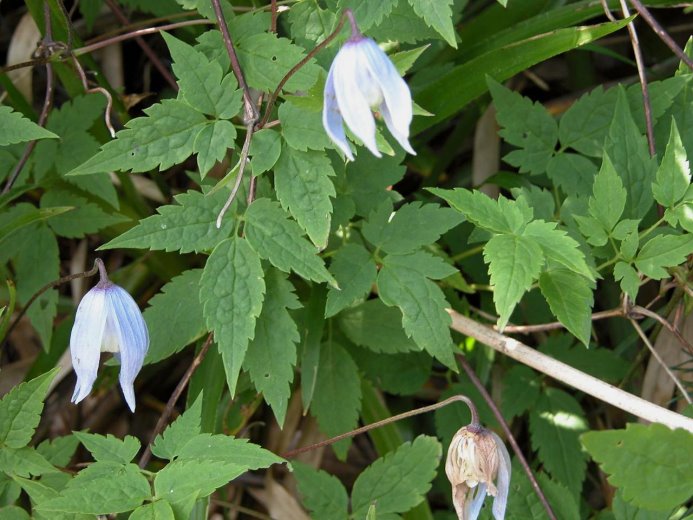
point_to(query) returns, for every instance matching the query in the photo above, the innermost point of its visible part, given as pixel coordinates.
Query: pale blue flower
(363, 77)
(108, 320)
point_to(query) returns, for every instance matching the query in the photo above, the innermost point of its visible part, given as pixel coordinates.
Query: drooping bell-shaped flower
(362, 78)
(478, 464)
(107, 320)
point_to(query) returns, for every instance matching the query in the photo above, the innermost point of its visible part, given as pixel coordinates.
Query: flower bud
(107, 320)
(478, 464)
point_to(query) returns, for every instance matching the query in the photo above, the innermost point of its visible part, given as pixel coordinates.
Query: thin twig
(659, 31)
(607, 11)
(389, 420)
(554, 325)
(665, 323)
(273, 98)
(656, 355)
(241, 169)
(273, 21)
(144, 460)
(640, 62)
(101, 90)
(462, 360)
(165, 73)
(568, 375)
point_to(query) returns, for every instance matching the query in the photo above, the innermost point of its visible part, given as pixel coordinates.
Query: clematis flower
(107, 320)
(362, 77)
(478, 464)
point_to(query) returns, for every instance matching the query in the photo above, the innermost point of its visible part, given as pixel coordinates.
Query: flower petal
(351, 82)
(85, 340)
(332, 119)
(133, 338)
(477, 501)
(503, 481)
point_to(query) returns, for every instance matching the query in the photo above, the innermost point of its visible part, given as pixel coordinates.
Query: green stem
(466, 254)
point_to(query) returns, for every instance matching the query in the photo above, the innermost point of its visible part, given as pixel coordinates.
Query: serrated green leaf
(20, 410)
(609, 196)
(646, 462)
(159, 510)
(265, 149)
(14, 513)
(541, 200)
(523, 502)
(107, 448)
(59, 451)
(15, 128)
(585, 123)
(310, 23)
(24, 462)
(404, 60)
(304, 188)
(663, 251)
(403, 282)
(170, 442)
(514, 264)
(174, 316)
(573, 173)
(520, 391)
(355, 272)
(368, 14)
(623, 510)
(161, 139)
(22, 215)
(368, 179)
(399, 480)
(555, 425)
(337, 397)
(302, 129)
(564, 505)
(570, 299)
(232, 291)
(323, 494)
(410, 227)
(271, 354)
(399, 374)
(526, 125)
(592, 229)
(674, 173)
(211, 144)
(628, 276)
(403, 25)
(189, 225)
(558, 247)
(600, 362)
(278, 239)
(438, 15)
(185, 480)
(376, 326)
(100, 489)
(85, 218)
(223, 448)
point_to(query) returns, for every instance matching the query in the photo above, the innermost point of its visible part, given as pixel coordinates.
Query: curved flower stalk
(363, 77)
(478, 464)
(107, 320)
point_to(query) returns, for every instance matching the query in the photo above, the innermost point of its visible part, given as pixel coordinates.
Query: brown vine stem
(665, 323)
(555, 325)
(273, 97)
(389, 420)
(506, 429)
(165, 73)
(659, 31)
(101, 90)
(567, 374)
(182, 384)
(239, 176)
(274, 11)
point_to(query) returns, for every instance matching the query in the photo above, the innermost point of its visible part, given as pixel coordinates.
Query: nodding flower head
(363, 77)
(107, 320)
(478, 464)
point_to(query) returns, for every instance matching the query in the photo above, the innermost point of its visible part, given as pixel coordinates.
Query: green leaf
(59, 451)
(609, 196)
(185, 480)
(323, 494)
(355, 272)
(403, 25)
(564, 505)
(403, 282)
(223, 448)
(302, 129)
(310, 22)
(410, 227)
(100, 489)
(368, 14)
(585, 124)
(337, 396)
(573, 173)
(674, 173)
(599, 362)
(271, 354)
(189, 225)
(627, 148)
(22, 215)
(404, 60)
(211, 144)
(570, 298)
(304, 188)
(555, 424)
(171, 441)
(15, 128)
(14, 513)
(514, 264)
(368, 179)
(558, 247)
(527, 125)
(232, 290)
(623, 510)
(20, 410)
(24, 462)
(647, 463)
(265, 149)
(277, 238)
(377, 327)
(438, 15)
(663, 251)
(520, 391)
(85, 218)
(201, 82)
(630, 281)
(265, 59)
(174, 316)
(399, 480)
(107, 448)
(164, 138)
(400, 374)
(159, 510)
